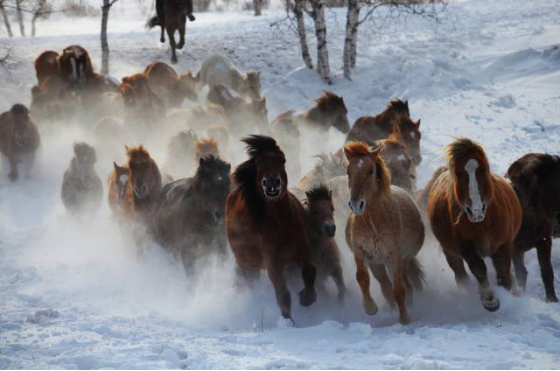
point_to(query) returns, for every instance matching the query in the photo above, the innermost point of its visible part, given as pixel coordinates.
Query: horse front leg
(502, 264)
(338, 279)
(518, 258)
(307, 296)
(170, 34)
(399, 289)
(162, 37)
(14, 174)
(380, 273)
(478, 268)
(543, 252)
(362, 276)
(182, 31)
(283, 298)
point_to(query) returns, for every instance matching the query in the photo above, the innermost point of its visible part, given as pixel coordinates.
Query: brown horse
(141, 104)
(143, 189)
(328, 111)
(19, 139)
(172, 15)
(82, 190)
(189, 215)
(244, 116)
(369, 129)
(73, 65)
(285, 131)
(206, 147)
(169, 85)
(46, 64)
(474, 214)
(180, 156)
(52, 99)
(384, 230)
(321, 231)
(265, 223)
(535, 178)
(117, 185)
(399, 163)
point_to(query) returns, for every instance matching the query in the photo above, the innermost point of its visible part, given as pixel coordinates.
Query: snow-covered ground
(77, 296)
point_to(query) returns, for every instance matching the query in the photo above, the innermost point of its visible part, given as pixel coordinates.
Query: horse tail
(152, 22)
(422, 196)
(415, 274)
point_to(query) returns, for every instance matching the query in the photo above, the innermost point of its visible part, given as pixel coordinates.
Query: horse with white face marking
(474, 214)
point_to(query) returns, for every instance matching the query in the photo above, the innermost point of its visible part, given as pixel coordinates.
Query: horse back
(46, 65)
(369, 129)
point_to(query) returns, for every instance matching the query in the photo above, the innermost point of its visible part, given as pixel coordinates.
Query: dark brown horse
(474, 214)
(117, 185)
(46, 64)
(535, 178)
(19, 139)
(321, 230)
(189, 215)
(266, 225)
(169, 85)
(395, 119)
(172, 15)
(82, 190)
(328, 111)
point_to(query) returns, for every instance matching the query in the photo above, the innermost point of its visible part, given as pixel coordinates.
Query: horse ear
(330, 195)
(117, 167)
(418, 123)
(347, 154)
(228, 167)
(126, 147)
(406, 104)
(202, 161)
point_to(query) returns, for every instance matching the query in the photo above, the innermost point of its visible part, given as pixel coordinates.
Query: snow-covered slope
(77, 296)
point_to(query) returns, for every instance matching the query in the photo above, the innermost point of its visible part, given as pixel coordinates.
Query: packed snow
(78, 296)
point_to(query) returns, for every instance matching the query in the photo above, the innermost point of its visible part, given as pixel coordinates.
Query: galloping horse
(384, 230)
(328, 111)
(117, 185)
(474, 214)
(266, 224)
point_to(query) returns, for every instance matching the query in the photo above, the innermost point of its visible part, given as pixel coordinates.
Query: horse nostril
(264, 182)
(350, 204)
(362, 204)
(469, 210)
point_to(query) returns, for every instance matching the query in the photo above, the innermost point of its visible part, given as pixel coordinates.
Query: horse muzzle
(357, 207)
(329, 229)
(21, 140)
(141, 191)
(476, 215)
(272, 188)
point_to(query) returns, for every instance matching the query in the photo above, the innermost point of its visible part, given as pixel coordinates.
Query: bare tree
(317, 13)
(6, 19)
(40, 10)
(19, 12)
(298, 8)
(257, 5)
(107, 4)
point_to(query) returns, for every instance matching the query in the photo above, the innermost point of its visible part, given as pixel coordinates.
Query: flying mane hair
(245, 174)
(460, 148)
(318, 193)
(329, 100)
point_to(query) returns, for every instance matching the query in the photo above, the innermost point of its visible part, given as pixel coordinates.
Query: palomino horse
(172, 15)
(474, 214)
(384, 230)
(19, 139)
(328, 111)
(265, 223)
(189, 215)
(535, 178)
(180, 156)
(395, 119)
(143, 189)
(321, 230)
(117, 185)
(82, 190)
(169, 85)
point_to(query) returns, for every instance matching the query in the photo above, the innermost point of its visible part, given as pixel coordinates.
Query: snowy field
(77, 296)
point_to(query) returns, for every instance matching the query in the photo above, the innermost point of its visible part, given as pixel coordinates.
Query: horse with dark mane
(474, 214)
(117, 185)
(384, 230)
(266, 225)
(82, 190)
(19, 139)
(171, 15)
(328, 111)
(535, 178)
(394, 119)
(321, 230)
(189, 215)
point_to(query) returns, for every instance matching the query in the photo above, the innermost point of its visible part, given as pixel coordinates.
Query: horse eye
(371, 172)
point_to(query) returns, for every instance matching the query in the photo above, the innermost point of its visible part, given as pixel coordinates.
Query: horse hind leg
(162, 37)
(380, 273)
(246, 276)
(408, 285)
(399, 289)
(172, 44)
(458, 267)
(182, 30)
(518, 258)
(502, 263)
(547, 273)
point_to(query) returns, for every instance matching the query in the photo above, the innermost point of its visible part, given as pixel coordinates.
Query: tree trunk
(19, 13)
(351, 38)
(104, 44)
(257, 4)
(38, 12)
(298, 12)
(33, 22)
(318, 15)
(6, 20)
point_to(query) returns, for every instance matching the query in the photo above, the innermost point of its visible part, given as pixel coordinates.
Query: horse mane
(19, 109)
(398, 105)
(361, 149)
(206, 147)
(83, 147)
(330, 101)
(141, 154)
(210, 162)
(245, 174)
(460, 148)
(318, 193)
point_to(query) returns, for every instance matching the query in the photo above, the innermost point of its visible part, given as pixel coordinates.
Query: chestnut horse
(321, 229)
(189, 215)
(474, 214)
(73, 65)
(143, 189)
(266, 225)
(169, 85)
(117, 185)
(19, 139)
(82, 190)
(328, 111)
(395, 119)
(399, 163)
(535, 178)
(384, 230)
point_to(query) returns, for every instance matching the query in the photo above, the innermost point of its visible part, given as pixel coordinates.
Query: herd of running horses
(367, 189)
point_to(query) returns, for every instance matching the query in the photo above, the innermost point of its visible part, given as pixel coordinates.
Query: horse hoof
(307, 297)
(370, 307)
(191, 18)
(162, 40)
(180, 46)
(552, 299)
(404, 320)
(173, 60)
(491, 305)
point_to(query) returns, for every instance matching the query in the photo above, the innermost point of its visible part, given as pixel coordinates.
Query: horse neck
(316, 116)
(385, 118)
